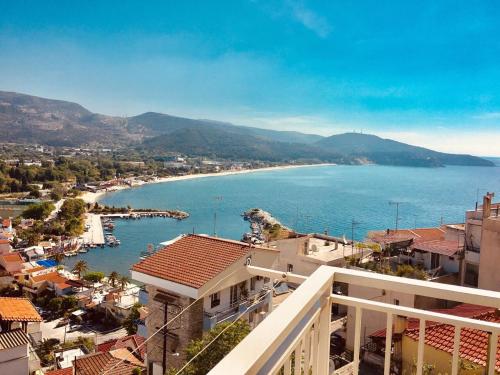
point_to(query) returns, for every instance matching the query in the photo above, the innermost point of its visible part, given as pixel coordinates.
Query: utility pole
(396, 203)
(166, 300)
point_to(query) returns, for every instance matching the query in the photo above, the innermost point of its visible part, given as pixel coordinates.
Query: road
(49, 330)
(55, 211)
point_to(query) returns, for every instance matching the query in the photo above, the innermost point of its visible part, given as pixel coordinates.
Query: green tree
(227, 340)
(38, 211)
(130, 323)
(80, 267)
(69, 303)
(124, 281)
(72, 208)
(94, 276)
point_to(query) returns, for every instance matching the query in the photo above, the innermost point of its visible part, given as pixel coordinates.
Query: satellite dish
(314, 248)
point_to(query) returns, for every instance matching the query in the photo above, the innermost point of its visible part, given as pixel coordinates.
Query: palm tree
(80, 267)
(124, 281)
(113, 278)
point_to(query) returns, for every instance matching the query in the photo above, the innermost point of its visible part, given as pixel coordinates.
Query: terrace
(295, 338)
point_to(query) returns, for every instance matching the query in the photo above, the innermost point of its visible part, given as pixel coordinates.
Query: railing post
(357, 340)
(323, 329)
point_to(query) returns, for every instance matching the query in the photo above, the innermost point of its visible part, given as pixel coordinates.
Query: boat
(83, 251)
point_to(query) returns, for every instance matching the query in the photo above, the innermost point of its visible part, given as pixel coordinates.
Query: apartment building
(209, 275)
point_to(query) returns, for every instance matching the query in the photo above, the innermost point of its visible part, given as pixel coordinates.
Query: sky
(423, 72)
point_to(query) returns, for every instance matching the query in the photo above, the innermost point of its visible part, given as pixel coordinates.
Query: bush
(38, 211)
(94, 276)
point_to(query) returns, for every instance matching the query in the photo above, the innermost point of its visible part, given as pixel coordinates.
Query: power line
(171, 320)
(224, 330)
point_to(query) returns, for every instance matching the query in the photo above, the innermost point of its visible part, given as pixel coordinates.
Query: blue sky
(423, 72)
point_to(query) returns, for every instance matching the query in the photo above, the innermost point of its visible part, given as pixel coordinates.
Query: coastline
(91, 197)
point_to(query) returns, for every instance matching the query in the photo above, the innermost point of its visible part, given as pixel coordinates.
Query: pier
(171, 214)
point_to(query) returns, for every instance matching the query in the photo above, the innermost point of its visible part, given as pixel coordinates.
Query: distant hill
(31, 119)
(213, 142)
(372, 149)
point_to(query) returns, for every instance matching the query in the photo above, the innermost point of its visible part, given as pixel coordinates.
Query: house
(5, 246)
(39, 279)
(20, 313)
(304, 254)
(438, 251)
(209, 275)
(115, 362)
(14, 353)
(438, 349)
(12, 263)
(34, 253)
(119, 303)
(134, 343)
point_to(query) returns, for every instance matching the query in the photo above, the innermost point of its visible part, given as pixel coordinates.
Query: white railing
(295, 338)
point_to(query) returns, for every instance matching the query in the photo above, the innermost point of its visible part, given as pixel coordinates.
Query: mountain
(31, 119)
(368, 148)
(214, 142)
(152, 123)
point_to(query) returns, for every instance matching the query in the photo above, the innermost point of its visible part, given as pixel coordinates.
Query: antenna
(396, 203)
(217, 199)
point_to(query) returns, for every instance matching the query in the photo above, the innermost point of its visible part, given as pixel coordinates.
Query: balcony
(243, 305)
(295, 337)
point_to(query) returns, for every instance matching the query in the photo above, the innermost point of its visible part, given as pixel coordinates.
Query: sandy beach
(90, 197)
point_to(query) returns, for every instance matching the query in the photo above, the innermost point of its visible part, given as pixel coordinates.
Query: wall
(14, 361)
(188, 327)
(438, 358)
(489, 277)
(371, 320)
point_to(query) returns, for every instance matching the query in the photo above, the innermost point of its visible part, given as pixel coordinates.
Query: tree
(69, 303)
(113, 278)
(227, 340)
(72, 208)
(80, 267)
(130, 323)
(38, 211)
(94, 276)
(124, 281)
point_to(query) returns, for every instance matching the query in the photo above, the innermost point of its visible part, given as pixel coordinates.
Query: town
(194, 288)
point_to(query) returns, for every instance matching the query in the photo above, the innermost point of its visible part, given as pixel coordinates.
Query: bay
(310, 199)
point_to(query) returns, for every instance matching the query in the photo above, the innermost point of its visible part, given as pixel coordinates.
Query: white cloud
(309, 19)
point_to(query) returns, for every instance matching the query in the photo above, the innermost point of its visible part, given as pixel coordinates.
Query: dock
(171, 214)
(95, 233)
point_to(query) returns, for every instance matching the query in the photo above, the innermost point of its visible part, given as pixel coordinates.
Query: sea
(339, 200)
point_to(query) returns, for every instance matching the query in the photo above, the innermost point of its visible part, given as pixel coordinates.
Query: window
(396, 302)
(289, 268)
(434, 260)
(214, 300)
(253, 281)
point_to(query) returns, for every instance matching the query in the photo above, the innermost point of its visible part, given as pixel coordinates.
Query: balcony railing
(295, 338)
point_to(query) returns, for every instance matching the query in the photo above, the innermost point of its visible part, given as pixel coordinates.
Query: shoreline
(90, 197)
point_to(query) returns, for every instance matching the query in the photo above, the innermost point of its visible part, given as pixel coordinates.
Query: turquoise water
(309, 199)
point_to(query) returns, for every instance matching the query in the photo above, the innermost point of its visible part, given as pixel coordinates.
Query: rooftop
(131, 342)
(99, 363)
(51, 276)
(474, 342)
(13, 339)
(18, 310)
(193, 260)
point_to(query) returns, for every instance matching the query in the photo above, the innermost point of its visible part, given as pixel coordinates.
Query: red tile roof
(4, 241)
(62, 371)
(193, 260)
(442, 247)
(18, 310)
(473, 342)
(51, 276)
(131, 342)
(417, 235)
(99, 363)
(13, 258)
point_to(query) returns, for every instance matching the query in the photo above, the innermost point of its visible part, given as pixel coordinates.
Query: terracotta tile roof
(13, 258)
(417, 235)
(12, 339)
(473, 342)
(62, 371)
(442, 247)
(34, 269)
(18, 310)
(99, 363)
(131, 342)
(51, 276)
(4, 241)
(193, 260)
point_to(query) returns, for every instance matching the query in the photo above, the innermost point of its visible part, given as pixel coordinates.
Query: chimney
(487, 204)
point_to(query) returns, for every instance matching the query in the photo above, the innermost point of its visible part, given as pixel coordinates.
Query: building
(295, 337)
(438, 349)
(488, 276)
(304, 254)
(14, 353)
(114, 362)
(20, 313)
(134, 343)
(209, 275)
